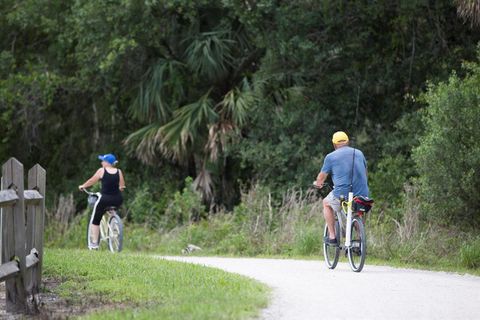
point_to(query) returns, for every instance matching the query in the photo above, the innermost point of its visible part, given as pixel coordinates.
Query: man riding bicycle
(348, 169)
(113, 183)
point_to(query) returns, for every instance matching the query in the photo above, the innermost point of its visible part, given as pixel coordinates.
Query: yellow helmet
(339, 137)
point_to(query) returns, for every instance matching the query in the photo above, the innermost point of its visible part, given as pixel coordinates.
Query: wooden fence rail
(23, 218)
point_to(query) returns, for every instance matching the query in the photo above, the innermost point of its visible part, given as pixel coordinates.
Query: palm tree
(195, 103)
(469, 10)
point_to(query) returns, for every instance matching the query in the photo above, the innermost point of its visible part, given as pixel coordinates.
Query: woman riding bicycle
(113, 183)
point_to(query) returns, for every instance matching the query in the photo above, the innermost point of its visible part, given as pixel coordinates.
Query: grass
(470, 254)
(224, 235)
(152, 288)
(293, 226)
(435, 249)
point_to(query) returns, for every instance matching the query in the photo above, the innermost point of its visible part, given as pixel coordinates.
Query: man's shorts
(333, 202)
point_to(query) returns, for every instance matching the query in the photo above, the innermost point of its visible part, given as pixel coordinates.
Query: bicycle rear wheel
(358, 249)
(115, 233)
(331, 252)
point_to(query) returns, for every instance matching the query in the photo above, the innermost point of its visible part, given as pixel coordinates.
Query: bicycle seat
(110, 209)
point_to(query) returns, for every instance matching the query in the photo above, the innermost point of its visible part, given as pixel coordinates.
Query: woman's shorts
(105, 201)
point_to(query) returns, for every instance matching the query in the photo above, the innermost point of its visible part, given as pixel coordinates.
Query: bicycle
(111, 226)
(349, 225)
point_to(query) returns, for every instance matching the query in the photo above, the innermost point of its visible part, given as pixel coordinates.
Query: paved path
(307, 290)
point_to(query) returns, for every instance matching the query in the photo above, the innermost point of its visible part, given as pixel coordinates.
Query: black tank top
(110, 183)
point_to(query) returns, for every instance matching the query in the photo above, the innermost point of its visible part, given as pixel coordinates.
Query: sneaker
(327, 240)
(93, 247)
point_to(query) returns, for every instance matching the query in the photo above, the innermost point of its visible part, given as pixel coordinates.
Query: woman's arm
(94, 179)
(122, 181)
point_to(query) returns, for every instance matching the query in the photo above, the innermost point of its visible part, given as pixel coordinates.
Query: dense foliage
(448, 158)
(230, 92)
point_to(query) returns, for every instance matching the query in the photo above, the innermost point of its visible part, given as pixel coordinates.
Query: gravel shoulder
(308, 290)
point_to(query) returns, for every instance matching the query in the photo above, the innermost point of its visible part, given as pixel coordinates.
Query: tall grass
(292, 225)
(262, 225)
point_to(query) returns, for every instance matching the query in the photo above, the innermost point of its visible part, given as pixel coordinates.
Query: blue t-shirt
(338, 164)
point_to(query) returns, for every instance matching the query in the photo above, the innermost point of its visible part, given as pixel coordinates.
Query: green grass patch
(152, 288)
(470, 254)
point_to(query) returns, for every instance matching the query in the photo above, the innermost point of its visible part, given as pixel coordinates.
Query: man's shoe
(327, 240)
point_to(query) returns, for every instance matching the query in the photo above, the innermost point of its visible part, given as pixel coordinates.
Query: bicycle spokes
(331, 252)
(357, 250)
(115, 234)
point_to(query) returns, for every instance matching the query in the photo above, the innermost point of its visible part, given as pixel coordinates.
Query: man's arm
(322, 176)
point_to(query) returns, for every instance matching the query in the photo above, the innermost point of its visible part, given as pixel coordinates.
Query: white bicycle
(111, 226)
(349, 225)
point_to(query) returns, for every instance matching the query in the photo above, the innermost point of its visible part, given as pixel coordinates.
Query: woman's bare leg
(94, 233)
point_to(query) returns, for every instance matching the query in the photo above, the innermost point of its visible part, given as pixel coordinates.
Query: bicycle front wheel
(358, 249)
(115, 233)
(331, 252)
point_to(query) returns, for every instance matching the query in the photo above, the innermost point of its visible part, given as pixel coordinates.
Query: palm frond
(144, 142)
(209, 54)
(234, 110)
(204, 183)
(237, 103)
(180, 133)
(218, 135)
(469, 10)
(161, 89)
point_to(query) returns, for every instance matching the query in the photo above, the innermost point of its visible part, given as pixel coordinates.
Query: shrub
(448, 157)
(387, 181)
(144, 208)
(185, 206)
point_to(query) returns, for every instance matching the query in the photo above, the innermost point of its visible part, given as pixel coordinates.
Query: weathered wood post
(1, 221)
(35, 225)
(14, 242)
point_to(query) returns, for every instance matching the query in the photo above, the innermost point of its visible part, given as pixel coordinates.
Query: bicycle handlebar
(88, 192)
(313, 185)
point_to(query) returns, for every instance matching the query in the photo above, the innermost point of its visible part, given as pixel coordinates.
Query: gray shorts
(333, 202)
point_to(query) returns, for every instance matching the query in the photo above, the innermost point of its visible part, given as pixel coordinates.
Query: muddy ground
(52, 306)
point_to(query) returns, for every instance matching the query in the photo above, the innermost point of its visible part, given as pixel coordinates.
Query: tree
(448, 157)
(226, 91)
(196, 97)
(359, 66)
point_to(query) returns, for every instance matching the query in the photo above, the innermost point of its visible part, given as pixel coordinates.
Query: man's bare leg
(329, 219)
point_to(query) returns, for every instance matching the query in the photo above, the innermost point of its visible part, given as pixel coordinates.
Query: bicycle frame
(348, 225)
(348, 235)
(105, 226)
(346, 212)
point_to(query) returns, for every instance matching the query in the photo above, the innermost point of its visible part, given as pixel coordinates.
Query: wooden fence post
(1, 222)
(14, 242)
(35, 224)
